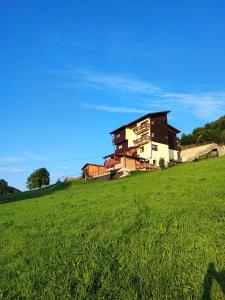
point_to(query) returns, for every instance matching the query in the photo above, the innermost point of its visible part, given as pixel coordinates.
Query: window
(153, 134)
(154, 162)
(154, 147)
(142, 149)
(117, 135)
(120, 147)
(153, 122)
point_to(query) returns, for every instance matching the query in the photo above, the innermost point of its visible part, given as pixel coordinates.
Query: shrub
(171, 164)
(162, 163)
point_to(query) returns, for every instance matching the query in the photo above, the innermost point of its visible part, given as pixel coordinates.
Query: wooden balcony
(141, 128)
(142, 140)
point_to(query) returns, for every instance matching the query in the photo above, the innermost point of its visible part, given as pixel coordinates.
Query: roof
(91, 165)
(109, 155)
(173, 128)
(141, 118)
(122, 151)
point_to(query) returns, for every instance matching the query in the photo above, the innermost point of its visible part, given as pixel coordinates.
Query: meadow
(153, 235)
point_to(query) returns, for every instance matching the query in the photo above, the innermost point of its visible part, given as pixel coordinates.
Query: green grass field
(158, 235)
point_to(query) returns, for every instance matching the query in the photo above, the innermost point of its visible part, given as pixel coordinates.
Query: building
(144, 141)
(202, 152)
(93, 170)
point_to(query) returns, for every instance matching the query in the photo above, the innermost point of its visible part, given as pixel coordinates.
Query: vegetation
(5, 189)
(154, 235)
(162, 163)
(38, 178)
(211, 132)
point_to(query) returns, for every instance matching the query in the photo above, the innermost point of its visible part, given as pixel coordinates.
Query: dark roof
(109, 155)
(91, 165)
(141, 118)
(173, 128)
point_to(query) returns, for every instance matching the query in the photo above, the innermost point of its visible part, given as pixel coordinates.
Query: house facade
(145, 140)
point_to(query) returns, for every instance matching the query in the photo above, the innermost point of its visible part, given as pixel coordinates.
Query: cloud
(126, 83)
(10, 159)
(33, 156)
(11, 170)
(115, 109)
(203, 104)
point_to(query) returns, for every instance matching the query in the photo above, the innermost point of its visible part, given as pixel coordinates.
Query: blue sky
(71, 71)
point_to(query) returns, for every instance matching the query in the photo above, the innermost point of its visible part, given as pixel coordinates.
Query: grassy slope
(152, 235)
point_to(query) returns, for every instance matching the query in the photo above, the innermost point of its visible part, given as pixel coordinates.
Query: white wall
(173, 154)
(163, 152)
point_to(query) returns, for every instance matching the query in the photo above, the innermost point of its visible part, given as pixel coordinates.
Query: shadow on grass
(35, 194)
(211, 275)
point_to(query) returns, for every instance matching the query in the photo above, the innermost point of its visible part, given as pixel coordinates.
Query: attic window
(117, 135)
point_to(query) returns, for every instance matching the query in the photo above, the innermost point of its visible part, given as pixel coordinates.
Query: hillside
(211, 132)
(156, 235)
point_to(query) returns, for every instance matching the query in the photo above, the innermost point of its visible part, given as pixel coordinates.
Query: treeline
(5, 189)
(211, 132)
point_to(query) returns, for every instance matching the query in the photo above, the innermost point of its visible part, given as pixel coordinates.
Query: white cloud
(10, 159)
(11, 170)
(203, 104)
(33, 156)
(122, 83)
(115, 109)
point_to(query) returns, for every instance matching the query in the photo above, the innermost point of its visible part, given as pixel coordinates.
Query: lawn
(156, 235)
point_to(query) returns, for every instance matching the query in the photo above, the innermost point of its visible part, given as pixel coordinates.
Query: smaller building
(201, 152)
(93, 170)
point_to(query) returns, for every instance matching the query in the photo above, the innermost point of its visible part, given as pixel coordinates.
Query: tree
(3, 187)
(38, 178)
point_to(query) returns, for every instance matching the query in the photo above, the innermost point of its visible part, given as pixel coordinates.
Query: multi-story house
(146, 139)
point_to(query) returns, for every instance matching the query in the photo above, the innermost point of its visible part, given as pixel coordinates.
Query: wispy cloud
(11, 170)
(19, 160)
(124, 83)
(33, 156)
(203, 104)
(10, 159)
(115, 109)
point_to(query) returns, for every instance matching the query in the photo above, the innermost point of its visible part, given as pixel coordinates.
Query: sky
(72, 71)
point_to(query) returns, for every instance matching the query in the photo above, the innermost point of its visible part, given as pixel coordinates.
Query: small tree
(3, 187)
(38, 178)
(162, 163)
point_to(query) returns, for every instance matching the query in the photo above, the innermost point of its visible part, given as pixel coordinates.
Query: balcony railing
(141, 127)
(142, 139)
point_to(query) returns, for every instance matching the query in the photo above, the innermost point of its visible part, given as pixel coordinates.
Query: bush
(171, 164)
(162, 163)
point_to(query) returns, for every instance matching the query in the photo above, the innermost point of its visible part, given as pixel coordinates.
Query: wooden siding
(172, 139)
(159, 129)
(121, 138)
(92, 170)
(124, 146)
